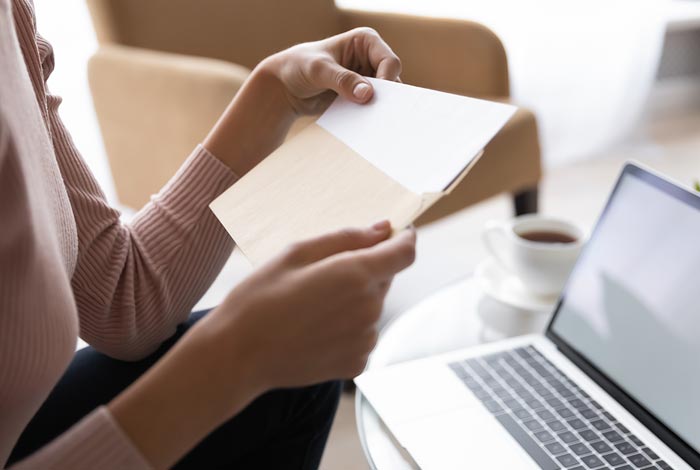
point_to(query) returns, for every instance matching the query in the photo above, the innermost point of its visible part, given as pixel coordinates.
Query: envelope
(389, 159)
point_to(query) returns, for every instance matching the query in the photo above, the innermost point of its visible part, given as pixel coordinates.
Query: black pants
(281, 429)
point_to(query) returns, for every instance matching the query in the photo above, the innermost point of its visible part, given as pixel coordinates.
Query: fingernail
(381, 226)
(361, 90)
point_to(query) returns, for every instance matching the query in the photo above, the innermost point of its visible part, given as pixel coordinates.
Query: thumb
(315, 249)
(348, 84)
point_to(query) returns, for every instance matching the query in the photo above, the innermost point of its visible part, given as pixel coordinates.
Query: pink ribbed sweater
(68, 266)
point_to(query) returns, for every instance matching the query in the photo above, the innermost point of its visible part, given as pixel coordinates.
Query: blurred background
(594, 72)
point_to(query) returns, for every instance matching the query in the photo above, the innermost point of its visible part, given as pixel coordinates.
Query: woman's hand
(307, 316)
(312, 74)
(310, 315)
(301, 80)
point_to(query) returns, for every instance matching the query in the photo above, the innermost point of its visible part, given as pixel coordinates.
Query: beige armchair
(166, 69)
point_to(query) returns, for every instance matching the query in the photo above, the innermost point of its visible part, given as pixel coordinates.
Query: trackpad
(463, 438)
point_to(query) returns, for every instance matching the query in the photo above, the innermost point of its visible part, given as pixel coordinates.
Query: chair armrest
(456, 56)
(153, 108)
(238, 31)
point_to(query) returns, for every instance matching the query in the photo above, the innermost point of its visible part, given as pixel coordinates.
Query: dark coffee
(546, 236)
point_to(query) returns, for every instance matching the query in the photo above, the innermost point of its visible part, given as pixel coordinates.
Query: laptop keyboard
(551, 417)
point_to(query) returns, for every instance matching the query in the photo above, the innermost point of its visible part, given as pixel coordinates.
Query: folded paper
(389, 159)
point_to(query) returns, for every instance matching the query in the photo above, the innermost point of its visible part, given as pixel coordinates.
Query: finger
(346, 83)
(316, 249)
(386, 259)
(383, 287)
(389, 68)
(383, 60)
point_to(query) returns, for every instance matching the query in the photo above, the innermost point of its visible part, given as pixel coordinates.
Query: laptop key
(612, 436)
(636, 441)
(522, 414)
(576, 423)
(481, 394)
(638, 460)
(492, 406)
(555, 448)
(546, 415)
(527, 443)
(600, 425)
(512, 404)
(591, 461)
(491, 382)
(567, 437)
(567, 460)
(533, 425)
(626, 448)
(664, 465)
(600, 447)
(588, 435)
(565, 413)
(577, 403)
(543, 436)
(565, 392)
(520, 351)
(503, 394)
(614, 459)
(623, 429)
(553, 382)
(470, 381)
(588, 413)
(534, 404)
(650, 453)
(530, 378)
(554, 402)
(511, 382)
(556, 426)
(580, 449)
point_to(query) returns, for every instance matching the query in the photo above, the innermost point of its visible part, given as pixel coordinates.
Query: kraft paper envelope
(358, 164)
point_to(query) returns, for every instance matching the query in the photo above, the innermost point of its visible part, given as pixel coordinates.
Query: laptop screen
(631, 307)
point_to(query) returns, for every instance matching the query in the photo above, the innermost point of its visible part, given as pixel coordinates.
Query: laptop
(614, 382)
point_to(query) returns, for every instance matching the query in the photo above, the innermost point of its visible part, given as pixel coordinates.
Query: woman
(156, 389)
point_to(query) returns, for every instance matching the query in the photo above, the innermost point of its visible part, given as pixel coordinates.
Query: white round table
(443, 322)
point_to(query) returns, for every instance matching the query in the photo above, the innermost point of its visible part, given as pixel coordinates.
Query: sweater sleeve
(134, 283)
(96, 441)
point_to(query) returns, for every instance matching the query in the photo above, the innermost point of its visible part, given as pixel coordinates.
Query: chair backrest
(452, 55)
(239, 31)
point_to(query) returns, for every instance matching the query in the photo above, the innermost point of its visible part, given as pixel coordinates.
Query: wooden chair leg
(526, 201)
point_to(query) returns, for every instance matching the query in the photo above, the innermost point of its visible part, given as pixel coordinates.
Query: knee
(332, 390)
(327, 395)
(318, 403)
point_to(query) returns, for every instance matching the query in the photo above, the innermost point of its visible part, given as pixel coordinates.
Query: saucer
(498, 283)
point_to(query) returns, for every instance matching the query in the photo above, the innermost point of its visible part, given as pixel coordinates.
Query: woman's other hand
(307, 316)
(303, 79)
(310, 315)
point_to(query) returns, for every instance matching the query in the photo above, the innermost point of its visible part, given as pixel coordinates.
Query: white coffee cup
(542, 262)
